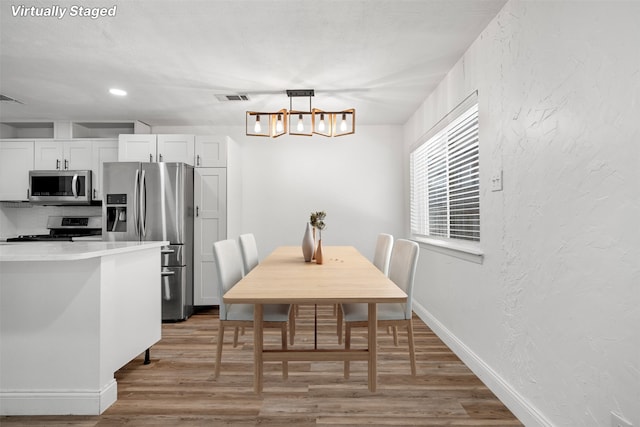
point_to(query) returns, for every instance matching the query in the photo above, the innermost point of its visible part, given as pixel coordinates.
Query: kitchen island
(71, 314)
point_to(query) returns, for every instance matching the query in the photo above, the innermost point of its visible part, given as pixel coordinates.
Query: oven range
(67, 229)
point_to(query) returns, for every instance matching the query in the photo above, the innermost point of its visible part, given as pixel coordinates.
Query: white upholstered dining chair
(381, 257)
(402, 267)
(249, 250)
(228, 259)
(250, 260)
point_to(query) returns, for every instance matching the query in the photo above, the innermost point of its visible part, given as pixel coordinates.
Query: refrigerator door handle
(143, 205)
(136, 206)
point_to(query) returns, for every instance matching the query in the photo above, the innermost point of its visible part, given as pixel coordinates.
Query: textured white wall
(552, 315)
(356, 179)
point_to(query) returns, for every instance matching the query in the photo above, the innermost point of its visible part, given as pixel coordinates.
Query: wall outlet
(496, 181)
(618, 421)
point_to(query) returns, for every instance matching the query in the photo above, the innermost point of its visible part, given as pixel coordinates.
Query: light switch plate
(496, 181)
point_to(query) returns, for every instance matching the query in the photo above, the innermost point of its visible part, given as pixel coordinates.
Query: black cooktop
(64, 229)
(41, 238)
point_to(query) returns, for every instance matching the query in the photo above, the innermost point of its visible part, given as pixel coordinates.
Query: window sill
(458, 250)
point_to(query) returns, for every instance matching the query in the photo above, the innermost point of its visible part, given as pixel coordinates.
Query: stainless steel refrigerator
(154, 202)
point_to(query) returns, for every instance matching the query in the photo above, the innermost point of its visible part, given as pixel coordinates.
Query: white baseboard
(516, 403)
(70, 402)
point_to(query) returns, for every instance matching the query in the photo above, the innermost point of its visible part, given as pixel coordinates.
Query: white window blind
(445, 180)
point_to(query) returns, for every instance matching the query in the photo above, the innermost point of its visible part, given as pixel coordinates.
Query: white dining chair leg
(219, 349)
(412, 351)
(236, 330)
(285, 365)
(347, 346)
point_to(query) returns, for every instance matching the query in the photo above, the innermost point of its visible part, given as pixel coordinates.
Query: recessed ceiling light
(117, 92)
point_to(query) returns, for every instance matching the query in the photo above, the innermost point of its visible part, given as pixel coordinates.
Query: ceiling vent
(5, 98)
(225, 98)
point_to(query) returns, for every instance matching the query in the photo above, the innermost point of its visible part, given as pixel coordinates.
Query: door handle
(160, 157)
(74, 185)
(197, 211)
(136, 203)
(198, 160)
(165, 285)
(150, 157)
(57, 164)
(143, 204)
(66, 164)
(94, 193)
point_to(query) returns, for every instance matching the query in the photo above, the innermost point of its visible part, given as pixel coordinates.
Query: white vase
(308, 244)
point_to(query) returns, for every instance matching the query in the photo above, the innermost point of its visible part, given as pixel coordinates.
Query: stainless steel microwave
(53, 187)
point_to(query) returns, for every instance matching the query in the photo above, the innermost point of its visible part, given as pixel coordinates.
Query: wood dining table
(345, 276)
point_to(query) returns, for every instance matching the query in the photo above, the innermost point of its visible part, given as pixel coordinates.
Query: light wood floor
(178, 389)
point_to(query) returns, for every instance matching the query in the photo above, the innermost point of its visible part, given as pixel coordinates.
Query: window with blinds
(445, 181)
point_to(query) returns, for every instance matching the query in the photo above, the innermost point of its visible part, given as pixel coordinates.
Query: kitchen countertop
(69, 251)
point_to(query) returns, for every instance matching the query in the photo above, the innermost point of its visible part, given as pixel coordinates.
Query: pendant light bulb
(279, 125)
(257, 128)
(321, 124)
(343, 123)
(300, 126)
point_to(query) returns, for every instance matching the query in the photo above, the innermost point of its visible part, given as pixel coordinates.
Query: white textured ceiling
(382, 57)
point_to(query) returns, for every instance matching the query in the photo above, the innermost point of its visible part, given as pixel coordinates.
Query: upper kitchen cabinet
(16, 160)
(103, 151)
(156, 148)
(136, 148)
(63, 155)
(211, 151)
(175, 148)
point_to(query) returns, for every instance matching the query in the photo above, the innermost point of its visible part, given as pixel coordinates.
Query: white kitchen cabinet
(210, 151)
(136, 148)
(156, 148)
(210, 225)
(175, 148)
(62, 155)
(103, 151)
(16, 160)
(217, 203)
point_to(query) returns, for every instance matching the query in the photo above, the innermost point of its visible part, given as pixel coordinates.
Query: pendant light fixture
(301, 123)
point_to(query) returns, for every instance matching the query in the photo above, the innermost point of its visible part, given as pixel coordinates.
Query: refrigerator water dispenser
(117, 215)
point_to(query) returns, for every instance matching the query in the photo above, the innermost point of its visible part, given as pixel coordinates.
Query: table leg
(373, 346)
(257, 345)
